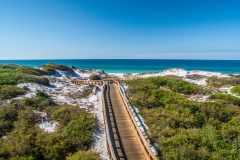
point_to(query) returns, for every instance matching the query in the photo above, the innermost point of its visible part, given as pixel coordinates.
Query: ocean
(138, 65)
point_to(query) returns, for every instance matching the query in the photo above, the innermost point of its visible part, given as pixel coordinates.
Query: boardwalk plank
(125, 128)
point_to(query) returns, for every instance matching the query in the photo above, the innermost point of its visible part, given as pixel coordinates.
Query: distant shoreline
(139, 65)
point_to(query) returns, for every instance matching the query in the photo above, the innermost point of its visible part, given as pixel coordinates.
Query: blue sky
(77, 29)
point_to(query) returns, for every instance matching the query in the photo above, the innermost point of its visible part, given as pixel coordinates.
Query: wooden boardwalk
(124, 142)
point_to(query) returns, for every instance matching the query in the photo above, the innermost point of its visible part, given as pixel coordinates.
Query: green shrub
(7, 91)
(183, 87)
(84, 155)
(7, 70)
(236, 90)
(15, 78)
(229, 98)
(42, 94)
(32, 71)
(39, 103)
(81, 127)
(25, 88)
(95, 77)
(8, 81)
(51, 67)
(174, 83)
(49, 70)
(12, 75)
(57, 114)
(220, 82)
(11, 66)
(65, 114)
(8, 115)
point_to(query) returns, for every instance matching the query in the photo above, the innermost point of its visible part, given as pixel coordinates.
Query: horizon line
(120, 59)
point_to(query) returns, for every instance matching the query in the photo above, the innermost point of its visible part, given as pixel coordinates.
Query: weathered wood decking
(123, 139)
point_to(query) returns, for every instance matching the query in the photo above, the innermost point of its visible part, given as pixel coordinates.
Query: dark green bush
(11, 66)
(51, 67)
(95, 77)
(25, 88)
(42, 94)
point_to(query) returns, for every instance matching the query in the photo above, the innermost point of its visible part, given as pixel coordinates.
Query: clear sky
(153, 29)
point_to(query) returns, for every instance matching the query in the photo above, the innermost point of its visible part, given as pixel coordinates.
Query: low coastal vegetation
(10, 77)
(186, 129)
(38, 128)
(7, 69)
(51, 67)
(86, 92)
(94, 77)
(16, 78)
(32, 71)
(84, 155)
(226, 99)
(22, 138)
(223, 82)
(236, 90)
(21, 69)
(8, 91)
(182, 128)
(173, 83)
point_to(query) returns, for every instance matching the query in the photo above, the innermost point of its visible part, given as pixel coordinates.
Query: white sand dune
(183, 73)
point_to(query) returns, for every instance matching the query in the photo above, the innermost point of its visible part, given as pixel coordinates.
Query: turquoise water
(139, 65)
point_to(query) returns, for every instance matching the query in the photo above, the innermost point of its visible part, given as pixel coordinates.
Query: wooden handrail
(145, 146)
